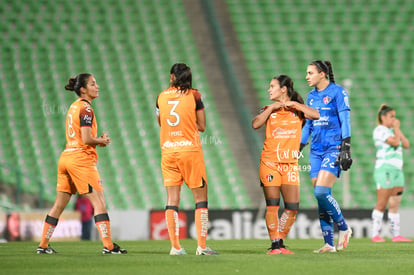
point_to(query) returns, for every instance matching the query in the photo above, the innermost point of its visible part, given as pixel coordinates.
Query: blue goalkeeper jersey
(326, 131)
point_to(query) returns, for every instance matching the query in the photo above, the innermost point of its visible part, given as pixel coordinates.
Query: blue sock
(328, 203)
(326, 226)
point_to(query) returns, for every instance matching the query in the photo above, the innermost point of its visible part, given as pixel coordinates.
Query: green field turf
(236, 257)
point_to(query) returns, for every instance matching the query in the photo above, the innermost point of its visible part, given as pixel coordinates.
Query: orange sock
(48, 228)
(201, 223)
(272, 221)
(286, 221)
(171, 217)
(104, 227)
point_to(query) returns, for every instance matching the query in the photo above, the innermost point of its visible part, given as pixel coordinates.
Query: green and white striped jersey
(387, 155)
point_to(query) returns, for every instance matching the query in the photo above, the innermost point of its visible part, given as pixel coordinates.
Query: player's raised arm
(309, 112)
(264, 114)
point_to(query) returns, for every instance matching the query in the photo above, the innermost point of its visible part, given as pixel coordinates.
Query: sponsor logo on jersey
(182, 143)
(323, 120)
(326, 100)
(87, 119)
(283, 133)
(311, 102)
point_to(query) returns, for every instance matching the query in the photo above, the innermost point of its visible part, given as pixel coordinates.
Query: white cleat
(343, 239)
(180, 251)
(327, 248)
(205, 251)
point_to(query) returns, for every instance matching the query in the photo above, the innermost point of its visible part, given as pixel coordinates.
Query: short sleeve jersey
(283, 132)
(387, 155)
(326, 131)
(80, 114)
(177, 112)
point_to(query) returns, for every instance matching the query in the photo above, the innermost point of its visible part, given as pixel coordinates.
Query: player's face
(275, 92)
(313, 77)
(92, 88)
(388, 119)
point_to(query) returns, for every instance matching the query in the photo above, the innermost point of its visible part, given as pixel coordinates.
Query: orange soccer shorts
(184, 166)
(76, 172)
(276, 174)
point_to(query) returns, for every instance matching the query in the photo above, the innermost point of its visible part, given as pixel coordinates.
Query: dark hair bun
(71, 85)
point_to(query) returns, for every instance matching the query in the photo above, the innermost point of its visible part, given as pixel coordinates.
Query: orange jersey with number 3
(177, 113)
(283, 133)
(80, 114)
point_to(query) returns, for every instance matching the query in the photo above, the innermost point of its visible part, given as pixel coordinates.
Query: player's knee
(321, 192)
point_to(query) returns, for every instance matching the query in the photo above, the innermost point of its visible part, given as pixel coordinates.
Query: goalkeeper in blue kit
(330, 149)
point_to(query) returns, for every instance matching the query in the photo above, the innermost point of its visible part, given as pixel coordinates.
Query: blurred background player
(180, 114)
(279, 172)
(11, 231)
(388, 175)
(84, 206)
(77, 165)
(330, 150)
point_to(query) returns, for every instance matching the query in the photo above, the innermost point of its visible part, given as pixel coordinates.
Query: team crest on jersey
(326, 99)
(269, 177)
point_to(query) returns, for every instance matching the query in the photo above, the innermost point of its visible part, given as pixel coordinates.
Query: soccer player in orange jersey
(77, 165)
(279, 171)
(180, 114)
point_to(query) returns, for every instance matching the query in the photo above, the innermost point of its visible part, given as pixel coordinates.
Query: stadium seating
(129, 46)
(368, 44)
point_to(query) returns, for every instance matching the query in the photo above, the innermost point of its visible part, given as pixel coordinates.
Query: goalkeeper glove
(344, 158)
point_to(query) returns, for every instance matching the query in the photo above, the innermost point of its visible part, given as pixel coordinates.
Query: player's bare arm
(201, 120)
(261, 118)
(88, 139)
(309, 112)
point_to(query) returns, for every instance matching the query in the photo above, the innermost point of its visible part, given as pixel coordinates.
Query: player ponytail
(326, 67)
(76, 83)
(382, 111)
(183, 77)
(286, 81)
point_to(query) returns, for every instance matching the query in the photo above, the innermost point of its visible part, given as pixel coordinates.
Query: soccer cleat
(286, 251)
(115, 250)
(205, 251)
(180, 251)
(274, 252)
(278, 248)
(47, 250)
(400, 238)
(327, 248)
(377, 239)
(343, 239)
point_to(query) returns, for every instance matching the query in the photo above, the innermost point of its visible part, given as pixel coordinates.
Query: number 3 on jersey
(174, 104)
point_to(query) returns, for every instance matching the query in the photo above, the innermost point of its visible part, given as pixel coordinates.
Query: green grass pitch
(236, 257)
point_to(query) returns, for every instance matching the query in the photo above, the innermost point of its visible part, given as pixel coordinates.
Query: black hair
(77, 82)
(286, 81)
(326, 67)
(383, 110)
(183, 77)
